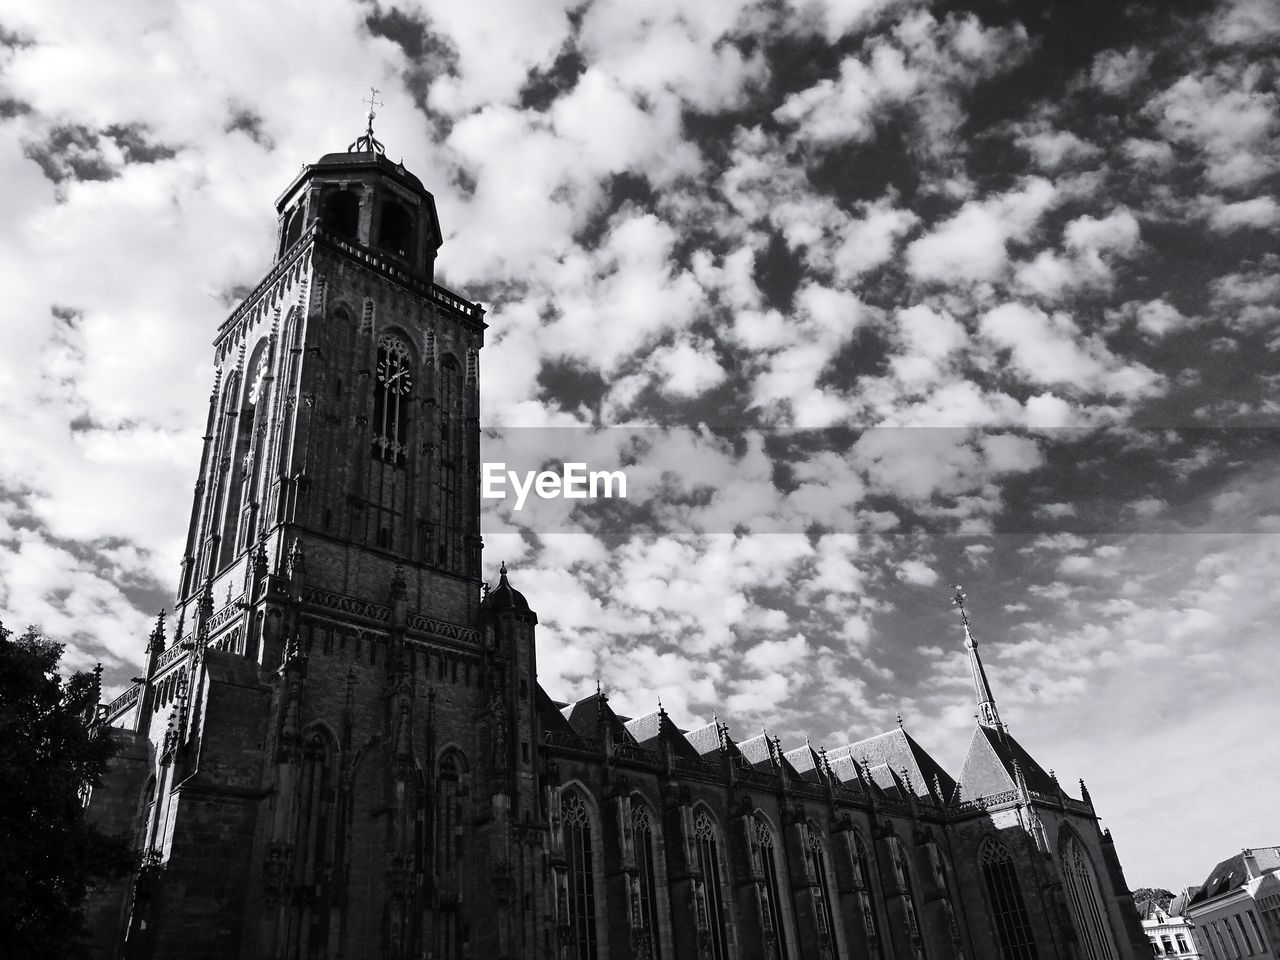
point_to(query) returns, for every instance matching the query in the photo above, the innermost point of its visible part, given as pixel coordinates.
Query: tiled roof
(654, 729)
(585, 717)
(989, 766)
(553, 720)
(897, 750)
(1232, 873)
(704, 739)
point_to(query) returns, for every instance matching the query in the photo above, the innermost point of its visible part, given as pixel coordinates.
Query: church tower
(338, 731)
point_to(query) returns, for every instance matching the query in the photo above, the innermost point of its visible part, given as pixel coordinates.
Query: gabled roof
(1233, 872)
(807, 762)
(1178, 906)
(586, 715)
(704, 740)
(655, 729)
(989, 766)
(757, 753)
(898, 751)
(553, 720)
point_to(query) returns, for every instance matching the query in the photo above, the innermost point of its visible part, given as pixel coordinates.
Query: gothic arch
(866, 885)
(652, 877)
(900, 860)
(1006, 905)
(395, 377)
(818, 851)
(768, 841)
(1085, 900)
(583, 845)
(717, 897)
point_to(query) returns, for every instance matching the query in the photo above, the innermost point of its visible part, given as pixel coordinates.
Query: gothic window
(646, 844)
(450, 793)
(1084, 899)
(390, 401)
(1008, 909)
(862, 879)
(451, 454)
(772, 887)
(582, 883)
(818, 853)
(316, 808)
(903, 874)
(708, 845)
(395, 231)
(292, 230)
(341, 214)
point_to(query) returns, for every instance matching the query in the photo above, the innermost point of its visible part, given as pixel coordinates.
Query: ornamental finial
(368, 143)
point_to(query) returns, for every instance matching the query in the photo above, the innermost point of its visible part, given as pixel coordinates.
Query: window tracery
(772, 886)
(1008, 909)
(582, 893)
(646, 865)
(708, 847)
(1084, 900)
(394, 381)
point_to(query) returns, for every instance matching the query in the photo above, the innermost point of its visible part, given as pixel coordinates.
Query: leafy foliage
(50, 757)
(1159, 894)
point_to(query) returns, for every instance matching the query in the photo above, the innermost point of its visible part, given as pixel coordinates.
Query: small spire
(988, 715)
(899, 721)
(156, 640)
(502, 569)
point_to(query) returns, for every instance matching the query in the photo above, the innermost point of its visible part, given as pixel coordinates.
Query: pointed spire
(155, 643)
(988, 715)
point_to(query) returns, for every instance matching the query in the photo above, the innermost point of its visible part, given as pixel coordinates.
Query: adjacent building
(339, 746)
(1170, 933)
(1236, 911)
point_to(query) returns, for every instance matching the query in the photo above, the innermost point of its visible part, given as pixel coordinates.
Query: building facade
(340, 749)
(1236, 911)
(1170, 933)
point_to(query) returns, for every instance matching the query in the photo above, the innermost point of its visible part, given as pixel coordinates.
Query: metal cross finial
(959, 599)
(368, 143)
(373, 101)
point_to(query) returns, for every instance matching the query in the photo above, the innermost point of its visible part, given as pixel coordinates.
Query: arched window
(772, 887)
(390, 406)
(646, 845)
(862, 880)
(704, 831)
(1008, 909)
(826, 916)
(1084, 899)
(582, 881)
(315, 838)
(341, 214)
(292, 229)
(449, 811)
(395, 231)
(451, 455)
(903, 874)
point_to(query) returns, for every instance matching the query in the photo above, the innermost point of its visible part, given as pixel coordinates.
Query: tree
(51, 755)
(1160, 895)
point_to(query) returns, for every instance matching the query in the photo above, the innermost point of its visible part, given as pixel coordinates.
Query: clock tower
(333, 729)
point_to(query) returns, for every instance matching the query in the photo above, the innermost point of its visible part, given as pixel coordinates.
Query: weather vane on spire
(987, 715)
(368, 143)
(959, 599)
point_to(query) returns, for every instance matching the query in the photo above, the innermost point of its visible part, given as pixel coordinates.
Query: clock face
(394, 375)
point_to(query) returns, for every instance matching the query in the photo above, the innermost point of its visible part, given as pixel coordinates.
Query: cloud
(1051, 350)
(972, 244)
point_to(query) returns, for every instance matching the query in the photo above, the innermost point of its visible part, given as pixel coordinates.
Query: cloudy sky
(902, 294)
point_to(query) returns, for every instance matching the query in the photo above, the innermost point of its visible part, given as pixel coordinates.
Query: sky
(871, 296)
